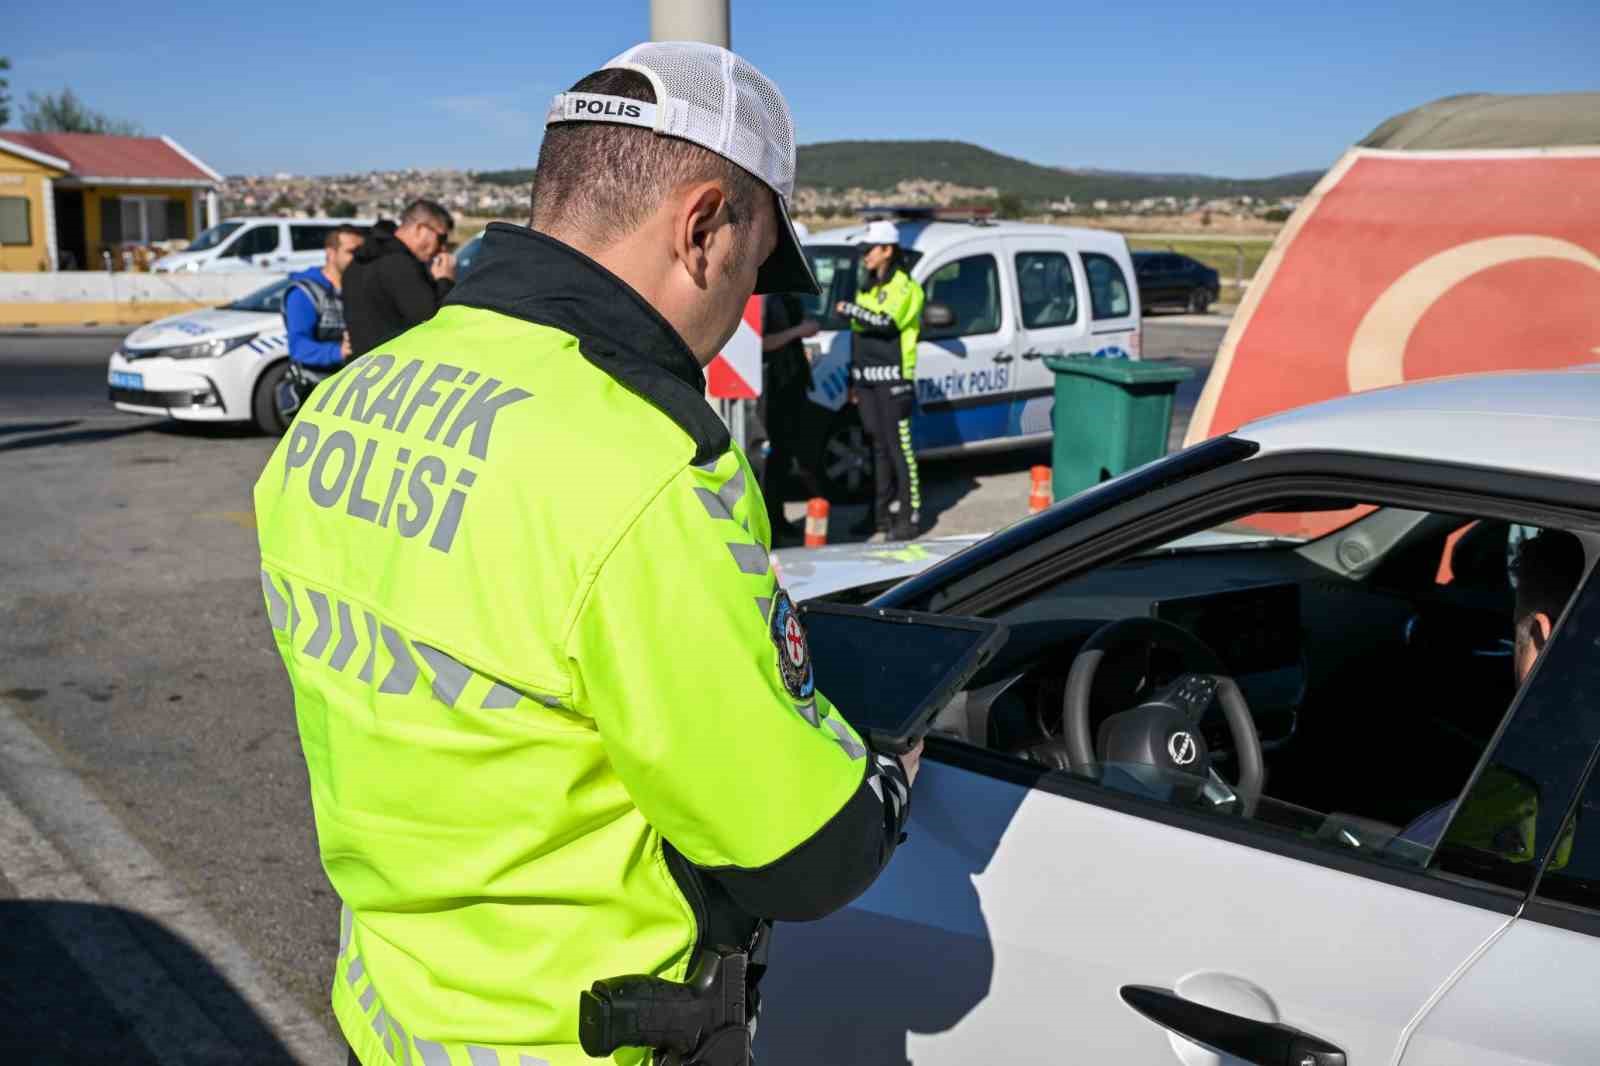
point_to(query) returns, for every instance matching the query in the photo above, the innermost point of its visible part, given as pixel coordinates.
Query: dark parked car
(1167, 279)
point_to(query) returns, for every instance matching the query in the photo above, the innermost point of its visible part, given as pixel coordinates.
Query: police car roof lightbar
(978, 216)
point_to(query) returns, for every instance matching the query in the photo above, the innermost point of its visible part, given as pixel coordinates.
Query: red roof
(99, 155)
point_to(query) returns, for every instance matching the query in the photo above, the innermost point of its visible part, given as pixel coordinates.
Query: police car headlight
(203, 350)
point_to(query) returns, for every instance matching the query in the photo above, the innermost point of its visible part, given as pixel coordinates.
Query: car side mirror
(938, 316)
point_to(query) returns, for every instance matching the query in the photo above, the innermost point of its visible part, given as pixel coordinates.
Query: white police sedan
(218, 365)
(1254, 779)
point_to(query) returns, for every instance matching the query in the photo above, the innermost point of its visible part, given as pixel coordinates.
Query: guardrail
(95, 297)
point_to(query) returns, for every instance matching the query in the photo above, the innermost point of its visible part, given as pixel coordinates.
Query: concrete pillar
(50, 224)
(690, 20)
(212, 209)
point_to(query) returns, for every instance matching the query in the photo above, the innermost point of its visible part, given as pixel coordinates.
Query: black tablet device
(890, 672)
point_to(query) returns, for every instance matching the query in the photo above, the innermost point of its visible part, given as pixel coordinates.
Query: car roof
(1537, 422)
(929, 238)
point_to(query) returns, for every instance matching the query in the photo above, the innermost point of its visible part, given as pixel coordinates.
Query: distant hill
(883, 164)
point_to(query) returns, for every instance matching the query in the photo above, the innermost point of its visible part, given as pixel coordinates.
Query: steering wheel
(1161, 731)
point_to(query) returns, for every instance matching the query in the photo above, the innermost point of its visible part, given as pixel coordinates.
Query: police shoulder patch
(794, 654)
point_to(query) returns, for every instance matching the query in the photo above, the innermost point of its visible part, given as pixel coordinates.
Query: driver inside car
(1547, 570)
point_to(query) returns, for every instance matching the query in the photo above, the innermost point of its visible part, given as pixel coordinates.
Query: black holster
(705, 1021)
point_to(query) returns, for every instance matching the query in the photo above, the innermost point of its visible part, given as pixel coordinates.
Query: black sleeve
(416, 296)
(838, 863)
(873, 320)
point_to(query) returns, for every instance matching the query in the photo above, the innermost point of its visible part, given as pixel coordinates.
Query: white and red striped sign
(736, 373)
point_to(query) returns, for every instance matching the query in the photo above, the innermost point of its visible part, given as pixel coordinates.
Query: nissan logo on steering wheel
(1182, 748)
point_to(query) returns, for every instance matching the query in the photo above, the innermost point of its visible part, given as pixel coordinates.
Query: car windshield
(213, 236)
(840, 273)
(268, 300)
(835, 267)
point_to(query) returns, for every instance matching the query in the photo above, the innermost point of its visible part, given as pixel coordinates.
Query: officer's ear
(702, 231)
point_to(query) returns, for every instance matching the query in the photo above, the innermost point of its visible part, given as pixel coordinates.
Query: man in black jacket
(397, 282)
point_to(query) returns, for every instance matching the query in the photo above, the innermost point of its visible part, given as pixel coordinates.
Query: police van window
(1108, 290)
(970, 288)
(257, 240)
(309, 238)
(1048, 295)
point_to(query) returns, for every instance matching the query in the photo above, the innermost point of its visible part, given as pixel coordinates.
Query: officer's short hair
(346, 230)
(1548, 568)
(604, 180)
(429, 211)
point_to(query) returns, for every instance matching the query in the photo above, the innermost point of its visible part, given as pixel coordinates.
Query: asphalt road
(134, 645)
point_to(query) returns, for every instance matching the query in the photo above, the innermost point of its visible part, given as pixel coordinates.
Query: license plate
(122, 379)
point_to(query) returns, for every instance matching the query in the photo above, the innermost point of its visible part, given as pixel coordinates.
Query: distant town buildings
(384, 193)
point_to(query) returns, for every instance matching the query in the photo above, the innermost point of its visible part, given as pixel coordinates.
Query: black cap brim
(787, 269)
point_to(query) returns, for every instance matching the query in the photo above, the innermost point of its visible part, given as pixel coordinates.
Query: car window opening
(1375, 652)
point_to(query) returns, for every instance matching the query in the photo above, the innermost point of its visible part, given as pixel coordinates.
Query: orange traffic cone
(816, 522)
(1039, 494)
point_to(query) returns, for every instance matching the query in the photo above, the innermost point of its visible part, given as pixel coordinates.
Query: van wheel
(264, 400)
(844, 459)
(1200, 301)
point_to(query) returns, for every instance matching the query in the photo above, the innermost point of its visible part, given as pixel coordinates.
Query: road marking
(40, 801)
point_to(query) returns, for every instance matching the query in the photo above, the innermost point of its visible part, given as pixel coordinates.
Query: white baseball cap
(711, 97)
(879, 231)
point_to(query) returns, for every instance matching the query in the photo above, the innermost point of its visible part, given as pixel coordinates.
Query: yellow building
(74, 200)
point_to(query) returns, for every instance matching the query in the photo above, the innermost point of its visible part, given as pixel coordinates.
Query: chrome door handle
(1269, 1044)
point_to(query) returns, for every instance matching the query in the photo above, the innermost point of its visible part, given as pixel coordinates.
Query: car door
(1037, 916)
(254, 247)
(1154, 274)
(1050, 321)
(1113, 307)
(965, 370)
(1530, 997)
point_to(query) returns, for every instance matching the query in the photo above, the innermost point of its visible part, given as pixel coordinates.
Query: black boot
(905, 528)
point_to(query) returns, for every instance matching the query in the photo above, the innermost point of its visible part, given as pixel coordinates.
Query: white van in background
(1015, 293)
(239, 244)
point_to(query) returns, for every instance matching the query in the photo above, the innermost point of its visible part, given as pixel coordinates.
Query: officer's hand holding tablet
(890, 672)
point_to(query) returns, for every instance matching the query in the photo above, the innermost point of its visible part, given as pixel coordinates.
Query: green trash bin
(1110, 416)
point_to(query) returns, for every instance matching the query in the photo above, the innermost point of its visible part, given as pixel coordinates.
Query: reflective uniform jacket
(556, 712)
(886, 321)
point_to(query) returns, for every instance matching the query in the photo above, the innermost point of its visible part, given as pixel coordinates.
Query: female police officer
(885, 319)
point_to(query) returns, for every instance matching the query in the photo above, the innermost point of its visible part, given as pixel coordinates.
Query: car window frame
(322, 229)
(1191, 504)
(233, 249)
(960, 334)
(1072, 280)
(1129, 291)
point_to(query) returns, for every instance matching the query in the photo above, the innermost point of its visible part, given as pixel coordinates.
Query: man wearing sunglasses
(398, 282)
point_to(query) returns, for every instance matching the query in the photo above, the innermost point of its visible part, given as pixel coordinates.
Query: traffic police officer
(885, 319)
(557, 714)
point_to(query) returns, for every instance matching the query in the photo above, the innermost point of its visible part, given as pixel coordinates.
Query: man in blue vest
(313, 313)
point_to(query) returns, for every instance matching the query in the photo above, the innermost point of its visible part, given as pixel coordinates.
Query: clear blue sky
(1247, 89)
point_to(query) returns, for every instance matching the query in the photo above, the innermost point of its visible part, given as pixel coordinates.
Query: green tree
(1009, 205)
(64, 112)
(5, 97)
(339, 208)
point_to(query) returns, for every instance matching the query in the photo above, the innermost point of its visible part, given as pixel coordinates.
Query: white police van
(240, 244)
(1014, 292)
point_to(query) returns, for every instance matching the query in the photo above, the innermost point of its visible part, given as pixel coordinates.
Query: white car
(219, 365)
(1015, 292)
(241, 244)
(1376, 846)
